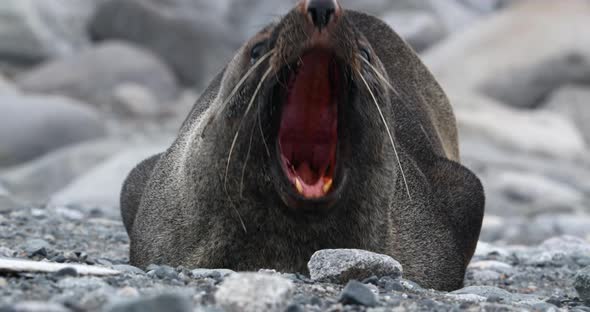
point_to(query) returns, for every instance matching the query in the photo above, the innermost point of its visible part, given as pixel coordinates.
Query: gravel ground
(509, 278)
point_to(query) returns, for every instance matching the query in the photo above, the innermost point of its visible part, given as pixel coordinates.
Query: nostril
(321, 12)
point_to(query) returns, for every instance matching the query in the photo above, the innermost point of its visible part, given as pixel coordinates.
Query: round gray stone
(342, 265)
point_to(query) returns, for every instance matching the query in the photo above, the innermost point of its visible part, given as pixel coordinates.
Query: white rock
(38, 179)
(254, 292)
(573, 102)
(100, 187)
(540, 132)
(520, 55)
(134, 100)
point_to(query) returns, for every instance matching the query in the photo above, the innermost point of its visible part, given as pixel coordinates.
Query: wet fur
(176, 211)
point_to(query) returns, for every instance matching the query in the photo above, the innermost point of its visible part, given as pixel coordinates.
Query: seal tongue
(308, 135)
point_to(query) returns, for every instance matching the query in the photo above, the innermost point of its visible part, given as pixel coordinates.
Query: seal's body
(324, 131)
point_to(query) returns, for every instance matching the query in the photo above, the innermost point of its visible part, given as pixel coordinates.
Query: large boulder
(38, 179)
(31, 126)
(573, 102)
(32, 30)
(540, 133)
(95, 74)
(191, 36)
(98, 190)
(520, 55)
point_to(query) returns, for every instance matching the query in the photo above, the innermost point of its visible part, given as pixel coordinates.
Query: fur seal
(324, 131)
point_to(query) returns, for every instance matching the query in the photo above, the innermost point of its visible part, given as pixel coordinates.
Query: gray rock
(37, 180)
(31, 126)
(99, 189)
(208, 273)
(163, 272)
(37, 306)
(37, 247)
(582, 284)
(32, 31)
(358, 294)
(94, 75)
(519, 72)
(7, 87)
(134, 100)
(572, 101)
(486, 292)
(420, 29)
(128, 269)
(164, 302)
(539, 133)
(342, 265)
(194, 41)
(252, 292)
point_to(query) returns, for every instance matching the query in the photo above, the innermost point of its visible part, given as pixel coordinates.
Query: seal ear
(460, 193)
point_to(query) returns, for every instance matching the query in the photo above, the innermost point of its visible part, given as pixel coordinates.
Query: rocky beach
(90, 88)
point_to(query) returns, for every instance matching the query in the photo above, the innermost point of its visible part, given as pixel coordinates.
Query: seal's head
(313, 82)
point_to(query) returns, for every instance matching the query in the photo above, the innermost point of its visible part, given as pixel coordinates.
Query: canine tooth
(299, 186)
(327, 185)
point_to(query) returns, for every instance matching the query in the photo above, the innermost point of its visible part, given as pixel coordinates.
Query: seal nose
(322, 12)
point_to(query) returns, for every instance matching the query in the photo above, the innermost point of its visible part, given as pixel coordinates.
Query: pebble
(128, 269)
(66, 272)
(342, 265)
(582, 284)
(488, 292)
(164, 302)
(253, 292)
(359, 294)
(37, 247)
(208, 273)
(163, 272)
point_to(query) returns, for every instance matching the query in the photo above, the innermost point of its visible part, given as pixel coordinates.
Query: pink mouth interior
(308, 135)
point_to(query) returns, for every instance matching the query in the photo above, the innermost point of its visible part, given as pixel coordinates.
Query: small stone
(342, 265)
(165, 302)
(37, 306)
(582, 284)
(487, 292)
(65, 272)
(37, 247)
(3, 282)
(128, 292)
(214, 274)
(164, 272)
(358, 293)
(128, 269)
(254, 292)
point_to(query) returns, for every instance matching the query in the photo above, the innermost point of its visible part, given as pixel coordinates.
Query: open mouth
(308, 130)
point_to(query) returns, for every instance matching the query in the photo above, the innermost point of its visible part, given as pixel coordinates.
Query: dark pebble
(357, 293)
(166, 302)
(65, 272)
(165, 272)
(37, 247)
(295, 308)
(390, 284)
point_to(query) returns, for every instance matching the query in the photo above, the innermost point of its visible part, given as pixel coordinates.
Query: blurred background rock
(88, 88)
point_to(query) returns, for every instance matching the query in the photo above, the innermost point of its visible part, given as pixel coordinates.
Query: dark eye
(257, 51)
(365, 54)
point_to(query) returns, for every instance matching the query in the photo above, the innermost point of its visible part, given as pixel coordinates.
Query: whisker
(248, 73)
(380, 76)
(262, 132)
(388, 133)
(246, 164)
